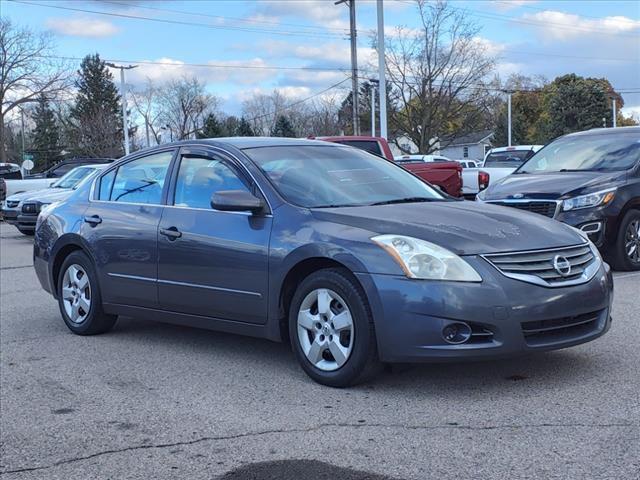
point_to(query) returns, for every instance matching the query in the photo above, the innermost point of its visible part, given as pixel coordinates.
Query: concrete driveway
(157, 401)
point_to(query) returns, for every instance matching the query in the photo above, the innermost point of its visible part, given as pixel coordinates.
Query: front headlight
(603, 197)
(424, 260)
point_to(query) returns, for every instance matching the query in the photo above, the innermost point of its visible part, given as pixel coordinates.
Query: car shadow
(560, 368)
(296, 470)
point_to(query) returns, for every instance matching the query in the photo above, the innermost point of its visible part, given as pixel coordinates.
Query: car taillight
(483, 180)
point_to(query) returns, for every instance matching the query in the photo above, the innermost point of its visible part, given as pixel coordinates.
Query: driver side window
(200, 177)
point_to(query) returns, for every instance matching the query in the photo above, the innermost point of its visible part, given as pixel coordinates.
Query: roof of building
(472, 138)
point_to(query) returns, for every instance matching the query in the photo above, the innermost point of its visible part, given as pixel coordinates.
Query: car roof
(254, 142)
(606, 131)
(515, 148)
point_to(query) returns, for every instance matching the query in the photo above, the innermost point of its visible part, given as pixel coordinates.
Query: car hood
(33, 194)
(49, 195)
(465, 228)
(550, 185)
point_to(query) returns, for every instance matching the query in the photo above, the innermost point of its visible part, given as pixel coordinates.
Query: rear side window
(106, 184)
(201, 177)
(141, 180)
(370, 146)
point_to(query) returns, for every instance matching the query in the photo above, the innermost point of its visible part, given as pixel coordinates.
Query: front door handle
(172, 233)
(93, 219)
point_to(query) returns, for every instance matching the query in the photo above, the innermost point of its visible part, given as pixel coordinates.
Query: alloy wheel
(76, 293)
(632, 241)
(325, 329)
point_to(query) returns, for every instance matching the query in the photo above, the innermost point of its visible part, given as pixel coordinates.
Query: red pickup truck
(446, 175)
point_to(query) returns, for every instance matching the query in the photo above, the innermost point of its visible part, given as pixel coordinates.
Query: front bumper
(26, 222)
(411, 314)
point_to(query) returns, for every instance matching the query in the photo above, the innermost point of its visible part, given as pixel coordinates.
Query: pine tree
(283, 128)
(97, 124)
(46, 136)
(244, 129)
(211, 128)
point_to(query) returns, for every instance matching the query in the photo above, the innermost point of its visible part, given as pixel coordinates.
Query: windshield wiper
(405, 200)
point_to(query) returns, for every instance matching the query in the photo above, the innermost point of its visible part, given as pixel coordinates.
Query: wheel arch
(63, 247)
(299, 266)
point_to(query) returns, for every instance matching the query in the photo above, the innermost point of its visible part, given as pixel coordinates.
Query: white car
(13, 211)
(502, 161)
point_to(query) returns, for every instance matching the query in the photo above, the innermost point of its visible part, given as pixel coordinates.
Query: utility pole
(615, 122)
(123, 94)
(509, 92)
(382, 86)
(22, 132)
(354, 63)
(374, 82)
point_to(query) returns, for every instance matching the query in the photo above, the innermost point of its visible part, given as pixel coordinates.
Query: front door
(212, 263)
(121, 228)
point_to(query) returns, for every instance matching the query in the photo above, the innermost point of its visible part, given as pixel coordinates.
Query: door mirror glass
(236, 201)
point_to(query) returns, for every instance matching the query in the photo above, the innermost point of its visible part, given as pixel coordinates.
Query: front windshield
(508, 159)
(72, 178)
(329, 176)
(588, 153)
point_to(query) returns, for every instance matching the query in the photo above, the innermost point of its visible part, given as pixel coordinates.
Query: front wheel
(331, 329)
(626, 255)
(79, 297)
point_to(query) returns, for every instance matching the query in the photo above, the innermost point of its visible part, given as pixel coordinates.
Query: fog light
(456, 333)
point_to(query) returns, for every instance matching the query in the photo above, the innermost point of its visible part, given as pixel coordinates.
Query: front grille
(12, 203)
(543, 332)
(480, 334)
(29, 208)
(546, 208)
(540, 265)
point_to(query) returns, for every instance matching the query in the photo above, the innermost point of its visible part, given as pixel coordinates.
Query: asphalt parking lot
(150, 400)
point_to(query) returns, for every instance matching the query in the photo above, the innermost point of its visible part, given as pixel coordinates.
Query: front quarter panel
(58, 227)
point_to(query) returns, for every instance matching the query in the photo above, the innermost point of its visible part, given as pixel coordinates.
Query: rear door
(212, 263)
(121, 228)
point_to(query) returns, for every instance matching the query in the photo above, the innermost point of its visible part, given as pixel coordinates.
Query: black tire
(363, 363)
(96, 321)
(28, 233)
(619, 258)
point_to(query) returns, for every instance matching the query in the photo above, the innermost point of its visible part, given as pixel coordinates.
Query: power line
(237, 19)
(298, 102)
(182, 22)
(203, 65)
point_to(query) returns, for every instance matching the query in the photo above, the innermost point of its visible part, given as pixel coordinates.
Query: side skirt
(189, 320)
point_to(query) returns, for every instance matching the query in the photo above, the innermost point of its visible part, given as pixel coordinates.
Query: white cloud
(82, 27)
(505, 5)
(322, 12)
(214, 71)
(551, 24)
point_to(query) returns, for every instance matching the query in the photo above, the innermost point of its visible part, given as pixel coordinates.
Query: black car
(589, 180)
(62, 168)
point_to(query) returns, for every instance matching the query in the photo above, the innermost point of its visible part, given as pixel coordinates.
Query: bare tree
(438, 76)
(27, 71)
(262, 111)
(184, 104)
(146, 104)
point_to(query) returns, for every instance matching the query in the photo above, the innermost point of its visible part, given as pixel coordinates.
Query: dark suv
(62, 168)
(590, 180)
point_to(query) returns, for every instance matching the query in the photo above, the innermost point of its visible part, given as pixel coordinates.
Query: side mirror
(236, 201)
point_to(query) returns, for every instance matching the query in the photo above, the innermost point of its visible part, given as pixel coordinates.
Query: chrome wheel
(632, 241)
(325, 329)
(76, 293)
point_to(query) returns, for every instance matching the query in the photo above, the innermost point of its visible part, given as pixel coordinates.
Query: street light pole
(123, 94)
(382, 86)
(373, 82)
(615, 122)
(509, 117)
(354, 63)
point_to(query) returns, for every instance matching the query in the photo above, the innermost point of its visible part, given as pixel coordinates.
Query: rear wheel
(626, 254)
(79, 297)
(331, 329)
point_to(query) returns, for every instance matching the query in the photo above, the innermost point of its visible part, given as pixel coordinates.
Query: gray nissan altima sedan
(347, 256)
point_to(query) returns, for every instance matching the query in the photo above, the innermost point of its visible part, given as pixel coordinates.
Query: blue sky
(550, 38)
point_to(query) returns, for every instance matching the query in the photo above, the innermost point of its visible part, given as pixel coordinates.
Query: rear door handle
(172, 233)
(93, 219)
